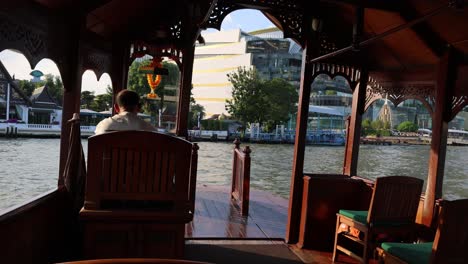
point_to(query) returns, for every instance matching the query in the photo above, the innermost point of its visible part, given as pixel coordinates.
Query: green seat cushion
(360, 216)
(411, 253)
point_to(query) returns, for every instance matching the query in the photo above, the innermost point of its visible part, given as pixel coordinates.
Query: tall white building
(225, 51)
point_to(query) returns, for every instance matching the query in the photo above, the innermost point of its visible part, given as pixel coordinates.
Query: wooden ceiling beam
(433, 41)
(89, 5)
(386, 5)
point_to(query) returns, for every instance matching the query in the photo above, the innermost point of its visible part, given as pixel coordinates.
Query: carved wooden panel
(332, 70)
(397, 92)
(98, 61)
(176, 30)
(287, 12)
(30, 42)
(139, 49)
(458, 103)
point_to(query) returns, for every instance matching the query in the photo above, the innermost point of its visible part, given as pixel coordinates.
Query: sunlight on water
(29, 167)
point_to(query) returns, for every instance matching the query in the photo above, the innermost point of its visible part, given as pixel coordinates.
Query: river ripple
(29, 167)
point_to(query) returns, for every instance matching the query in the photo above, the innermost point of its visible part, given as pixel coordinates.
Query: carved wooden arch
(399, 92)
(376, 97)
(332, 70)
(140, 49)
(458, 103)
(96, 60)
(30, 42)
(288, 13)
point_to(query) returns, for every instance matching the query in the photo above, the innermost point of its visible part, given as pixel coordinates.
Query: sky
(17, 64)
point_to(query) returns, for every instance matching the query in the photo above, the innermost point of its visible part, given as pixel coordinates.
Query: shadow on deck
(220, 234)
(216, 217)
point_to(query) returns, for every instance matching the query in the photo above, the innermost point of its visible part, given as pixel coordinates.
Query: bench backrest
(138, 167)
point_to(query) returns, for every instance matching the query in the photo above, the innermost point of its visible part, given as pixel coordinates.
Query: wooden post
(185, 87)
(442, 115)
(297, 183)
(354, 131)
(120, 60)
(72, 88)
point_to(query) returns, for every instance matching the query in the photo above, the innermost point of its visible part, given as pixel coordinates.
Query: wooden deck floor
(218, 221)
(216, 217)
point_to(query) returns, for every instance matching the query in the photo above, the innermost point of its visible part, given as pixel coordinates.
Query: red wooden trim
(72, 88)
(186, 86)
(295, 197)
(240, 187)
(442, 115)
(354, 131)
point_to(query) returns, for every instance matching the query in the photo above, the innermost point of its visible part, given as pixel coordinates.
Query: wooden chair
(450, 245)
(393, 209)
(140, 192)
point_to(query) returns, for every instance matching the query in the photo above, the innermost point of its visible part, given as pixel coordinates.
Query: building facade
(225, 51)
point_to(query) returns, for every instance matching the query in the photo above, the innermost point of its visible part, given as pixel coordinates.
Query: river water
(29, 167)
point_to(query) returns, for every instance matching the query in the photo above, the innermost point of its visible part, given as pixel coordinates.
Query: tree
(281, 97)
(101, 103)
(27, 87)
(55, 87)
(53, 83)
(408, 126)
(377, 124)
(248, 103)
(255, 101)
(87, 99)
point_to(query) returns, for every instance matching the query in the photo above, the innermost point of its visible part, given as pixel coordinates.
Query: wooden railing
(241, 177)
(41, 230)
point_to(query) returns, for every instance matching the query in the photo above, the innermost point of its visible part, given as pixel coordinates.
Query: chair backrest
(451, 240)
(395, 199)
(131, 167)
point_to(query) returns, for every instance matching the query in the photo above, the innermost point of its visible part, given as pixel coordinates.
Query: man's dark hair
(127, 99)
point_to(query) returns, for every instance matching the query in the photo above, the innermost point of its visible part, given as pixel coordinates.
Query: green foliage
(330, 92)
(255, 101)
(54, 87)
(87, 99)
(193, 115)
(407, 126)
(377, 124)
(366, 124)
(386, 125)
(101, 102)
(212, 124)
(27, 87)
(281, 98)
(248, 98)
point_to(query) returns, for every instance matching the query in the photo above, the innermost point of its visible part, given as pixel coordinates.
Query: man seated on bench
(127, 107)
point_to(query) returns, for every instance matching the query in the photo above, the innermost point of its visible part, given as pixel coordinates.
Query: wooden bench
(140, 192)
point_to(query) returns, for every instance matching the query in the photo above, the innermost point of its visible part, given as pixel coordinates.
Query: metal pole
(159, 119)
(8, 103)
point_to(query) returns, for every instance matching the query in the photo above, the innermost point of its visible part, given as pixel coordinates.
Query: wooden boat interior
(402, 49)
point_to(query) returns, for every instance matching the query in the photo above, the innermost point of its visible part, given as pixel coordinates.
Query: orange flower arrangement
(153, 80)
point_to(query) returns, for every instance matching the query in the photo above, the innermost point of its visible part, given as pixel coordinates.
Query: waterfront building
(225, 51)
(13, 102)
